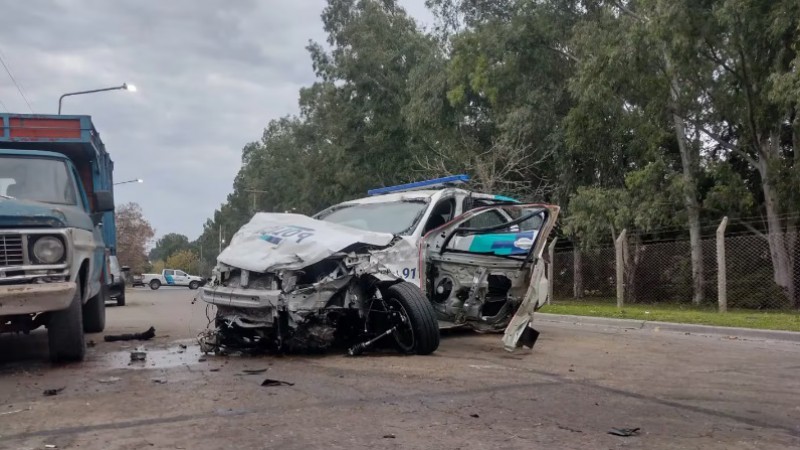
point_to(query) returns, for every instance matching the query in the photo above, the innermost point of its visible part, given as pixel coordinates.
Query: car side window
(169, 272)
(180, 274)
(443, 212)
(483, 220)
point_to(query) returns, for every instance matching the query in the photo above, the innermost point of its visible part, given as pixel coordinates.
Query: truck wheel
(65, 331)
(94, 311)
(194, 285)
(418, 328)
(155, 284)
(121, 298)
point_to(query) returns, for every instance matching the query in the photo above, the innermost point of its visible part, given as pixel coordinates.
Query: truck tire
(155, 284)
(422, 333)
(194, 285)
(121, 298)
(65, 331)
(94, 311)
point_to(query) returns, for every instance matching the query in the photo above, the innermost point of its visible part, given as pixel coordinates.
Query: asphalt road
(682, 391)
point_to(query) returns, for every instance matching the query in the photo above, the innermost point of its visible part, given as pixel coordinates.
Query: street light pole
(125, 87)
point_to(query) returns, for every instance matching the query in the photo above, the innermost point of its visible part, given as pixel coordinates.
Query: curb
(752, 333)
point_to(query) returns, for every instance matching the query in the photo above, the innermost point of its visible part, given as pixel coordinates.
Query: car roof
(424, 194)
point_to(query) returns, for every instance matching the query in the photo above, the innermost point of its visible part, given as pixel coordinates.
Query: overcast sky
(210, 76)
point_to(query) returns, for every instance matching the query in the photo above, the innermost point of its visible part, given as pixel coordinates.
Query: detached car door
(484, 269)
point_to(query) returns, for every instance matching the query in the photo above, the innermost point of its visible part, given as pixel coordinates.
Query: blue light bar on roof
(454, 179)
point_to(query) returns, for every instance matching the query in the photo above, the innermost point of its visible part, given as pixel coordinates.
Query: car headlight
(48, 249)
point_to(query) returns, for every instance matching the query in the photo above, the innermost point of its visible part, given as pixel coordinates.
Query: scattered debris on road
(8, 413)
(253, 371)
(109, 380)
(202, 359)
(52, 392)
(624, 432)
(568, 428)
(146, 336)
(138, 355)
(90, 344)
(270, 382)
(159, 380)
(50, 446)
(474, 416)
(389, 436)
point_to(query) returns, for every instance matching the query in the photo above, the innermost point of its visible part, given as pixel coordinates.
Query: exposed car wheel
(65, 332)
(417, 327)
(155, 284)
(194, 285)
(94, 311)
(121, 298)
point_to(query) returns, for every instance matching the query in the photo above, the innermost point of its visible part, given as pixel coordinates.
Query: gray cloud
(211, 75)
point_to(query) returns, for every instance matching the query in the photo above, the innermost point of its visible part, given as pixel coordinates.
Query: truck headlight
(48, 250)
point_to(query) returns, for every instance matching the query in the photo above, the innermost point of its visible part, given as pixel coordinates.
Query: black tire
(155, 284)
(194, 285)
(65, 331)
(121, 297)
(420, 314)
(94, 311)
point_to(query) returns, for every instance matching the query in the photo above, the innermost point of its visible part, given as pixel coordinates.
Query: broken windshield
(391, 217)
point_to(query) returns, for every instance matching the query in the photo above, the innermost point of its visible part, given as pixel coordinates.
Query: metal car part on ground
(396, 266)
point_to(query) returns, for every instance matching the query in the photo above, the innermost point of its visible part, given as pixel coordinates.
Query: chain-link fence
(661, 272)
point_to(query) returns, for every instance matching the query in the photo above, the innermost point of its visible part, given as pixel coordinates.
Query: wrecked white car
(392, 268)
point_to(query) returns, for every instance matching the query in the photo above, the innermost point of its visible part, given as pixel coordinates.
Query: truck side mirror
(103, 201)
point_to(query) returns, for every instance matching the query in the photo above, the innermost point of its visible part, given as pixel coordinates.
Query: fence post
(551, 251)
(722, 277)
(618, 247)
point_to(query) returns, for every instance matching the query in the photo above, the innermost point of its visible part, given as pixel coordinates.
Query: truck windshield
(37, 179)
(391, 217)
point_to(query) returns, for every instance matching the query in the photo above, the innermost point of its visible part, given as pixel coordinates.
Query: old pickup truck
(57, 231)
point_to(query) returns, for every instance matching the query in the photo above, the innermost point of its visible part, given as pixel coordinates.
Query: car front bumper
(240, 298)
(35, 298)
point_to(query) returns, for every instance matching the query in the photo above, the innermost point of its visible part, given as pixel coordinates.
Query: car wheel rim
(398, 316)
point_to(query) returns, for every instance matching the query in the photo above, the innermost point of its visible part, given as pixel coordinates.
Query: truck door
(181, 278)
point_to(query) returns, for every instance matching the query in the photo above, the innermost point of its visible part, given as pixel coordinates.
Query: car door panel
(490, 277)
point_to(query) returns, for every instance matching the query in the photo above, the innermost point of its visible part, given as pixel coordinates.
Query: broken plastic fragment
(270, 382)
(624, 432)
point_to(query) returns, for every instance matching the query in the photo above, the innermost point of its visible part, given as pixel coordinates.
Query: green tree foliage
(186, 260)
(134, 232)
(168, 245)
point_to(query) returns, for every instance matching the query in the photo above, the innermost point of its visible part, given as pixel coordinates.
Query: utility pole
(254, 192)
(220, 239)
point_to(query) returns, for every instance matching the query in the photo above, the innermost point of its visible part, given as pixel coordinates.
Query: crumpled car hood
(276, 241)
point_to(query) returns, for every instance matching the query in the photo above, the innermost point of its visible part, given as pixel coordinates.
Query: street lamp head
(129, 87)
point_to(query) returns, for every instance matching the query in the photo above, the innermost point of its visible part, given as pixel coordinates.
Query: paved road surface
(683, 391)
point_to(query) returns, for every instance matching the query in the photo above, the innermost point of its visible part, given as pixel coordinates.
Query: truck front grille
(11, 250)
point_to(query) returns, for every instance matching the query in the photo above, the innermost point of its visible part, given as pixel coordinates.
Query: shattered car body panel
(378, 267)
(491, 276)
